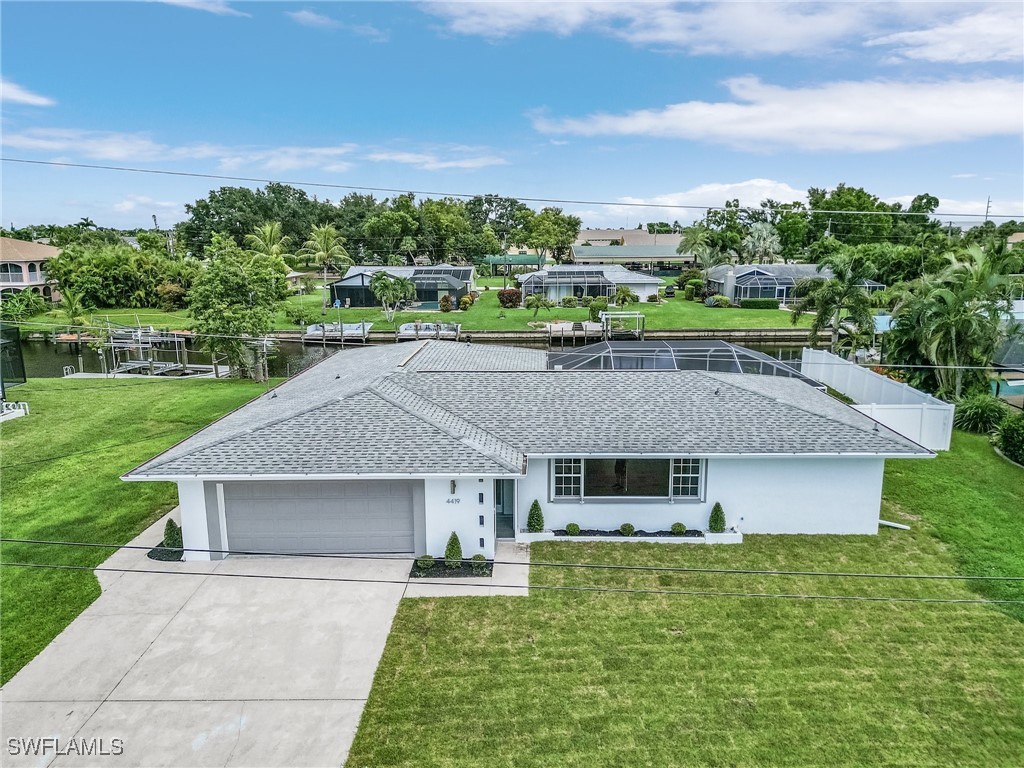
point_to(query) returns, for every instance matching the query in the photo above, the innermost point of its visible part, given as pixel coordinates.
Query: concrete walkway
(211, 665)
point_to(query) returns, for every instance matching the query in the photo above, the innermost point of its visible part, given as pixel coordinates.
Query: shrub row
(759, 303)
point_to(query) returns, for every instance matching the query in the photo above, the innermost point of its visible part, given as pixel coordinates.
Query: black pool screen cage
(12, 365)
(570, 282)
(703, 355)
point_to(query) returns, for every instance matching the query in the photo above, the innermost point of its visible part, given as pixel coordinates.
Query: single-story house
(768, 281)
(557, 282)
(505, 263)
(380, 449)
(433, 282)
(652, 258)
(23, 267)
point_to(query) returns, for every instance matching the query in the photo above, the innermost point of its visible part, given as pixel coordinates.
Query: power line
(543, 587)
(426, 193)
(542, 564)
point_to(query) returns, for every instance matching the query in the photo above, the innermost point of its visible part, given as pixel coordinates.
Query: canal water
(47, 360)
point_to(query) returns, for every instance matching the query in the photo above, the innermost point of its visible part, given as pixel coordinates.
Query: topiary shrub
(535, 518)
(465, 302)
(570, 302)
(597, 306)
(688, 293)
(697, 283)
(1010, 438)
(627, 529)
(678, 529)
(479, 565)
(979, 413)
(172, 535)
(716, 523)
(445, 303)
(425, 563)
(572, 529)
(759, 303)
(453, 552)
(586, 301)
(510, 298)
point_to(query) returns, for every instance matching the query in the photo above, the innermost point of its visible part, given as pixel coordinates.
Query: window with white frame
(627, 477)
(568, 478)
(686, 474)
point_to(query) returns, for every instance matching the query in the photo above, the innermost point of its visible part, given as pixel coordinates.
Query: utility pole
(988, 207)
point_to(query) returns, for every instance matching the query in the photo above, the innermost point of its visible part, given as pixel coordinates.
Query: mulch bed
(440, 571)
(690, 533)
(160, 552)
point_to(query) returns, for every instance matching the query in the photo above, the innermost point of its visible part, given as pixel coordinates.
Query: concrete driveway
(198, 669)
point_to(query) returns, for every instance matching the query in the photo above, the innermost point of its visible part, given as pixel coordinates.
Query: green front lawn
(585, 679)
(101, 429)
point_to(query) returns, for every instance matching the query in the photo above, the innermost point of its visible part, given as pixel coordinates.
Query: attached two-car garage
(351, 516)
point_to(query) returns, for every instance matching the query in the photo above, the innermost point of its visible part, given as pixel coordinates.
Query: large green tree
(553, 232)
(233, 302)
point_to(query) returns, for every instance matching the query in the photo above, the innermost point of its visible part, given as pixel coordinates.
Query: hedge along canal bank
(44, 359)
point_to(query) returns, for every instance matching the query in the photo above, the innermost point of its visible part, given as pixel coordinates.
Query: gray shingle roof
(444, 407)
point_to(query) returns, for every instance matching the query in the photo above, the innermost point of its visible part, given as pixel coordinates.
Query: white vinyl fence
(926, 420)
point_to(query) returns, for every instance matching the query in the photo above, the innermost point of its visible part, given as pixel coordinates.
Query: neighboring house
(768, 281)
(650, 257)
(431, 283)
(557, 282)
(627, 237)
(23, 266)
(1015, 239)
(295, 278)
(379, 450)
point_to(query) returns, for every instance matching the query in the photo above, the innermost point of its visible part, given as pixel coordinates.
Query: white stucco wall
(759, 495)
(460, 512)
(192, 506)
(643, 290)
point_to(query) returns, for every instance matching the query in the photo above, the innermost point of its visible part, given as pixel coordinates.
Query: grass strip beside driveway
(102, 428)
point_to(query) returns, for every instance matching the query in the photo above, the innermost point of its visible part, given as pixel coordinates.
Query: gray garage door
(350, 516)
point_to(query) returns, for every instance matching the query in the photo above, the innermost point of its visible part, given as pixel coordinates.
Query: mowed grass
(487, 314)
(612, 679)
(59, 480)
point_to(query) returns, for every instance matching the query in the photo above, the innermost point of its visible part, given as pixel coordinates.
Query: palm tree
(696, 240)
(326, 248)
(390, 291)
(537, 302)
(840, 302)
(762, 243)
(709, 259)
(267, 240)
(624, 296)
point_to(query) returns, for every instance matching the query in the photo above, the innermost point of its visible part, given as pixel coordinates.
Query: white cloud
(845, 116)
(993, 34)
(311, 19)
(711, 195)
(319, 21)
(218, 7)
(112, 146)
(131, 202)
(746, 29)
(431, 162)
(964, 176)
(12, 93)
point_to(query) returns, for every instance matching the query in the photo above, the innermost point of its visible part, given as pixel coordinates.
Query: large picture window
(627, 478)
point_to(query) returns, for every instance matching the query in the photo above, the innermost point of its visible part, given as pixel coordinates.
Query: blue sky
(656, 103)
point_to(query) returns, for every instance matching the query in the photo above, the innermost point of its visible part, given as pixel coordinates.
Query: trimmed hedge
(479, 565)
(453, 552)
(688, 293)
(572, 529)
(716, 523)
(1011, 438)
(627, 529)
(570, 302)
(718, 300)
(678, 529)
(759, 303)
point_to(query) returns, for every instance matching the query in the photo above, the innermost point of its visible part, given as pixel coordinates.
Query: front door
(504, 509)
